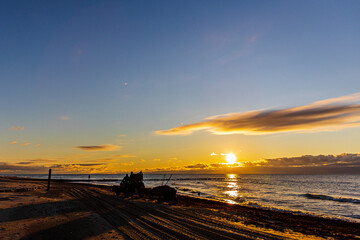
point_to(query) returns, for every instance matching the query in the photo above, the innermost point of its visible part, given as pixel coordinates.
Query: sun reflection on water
(232, 188)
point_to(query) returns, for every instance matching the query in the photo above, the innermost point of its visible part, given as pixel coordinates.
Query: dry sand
(76, 211)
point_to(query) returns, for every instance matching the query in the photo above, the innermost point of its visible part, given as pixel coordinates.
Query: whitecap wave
(332, 198)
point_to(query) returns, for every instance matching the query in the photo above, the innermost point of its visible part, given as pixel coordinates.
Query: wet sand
(81, 211)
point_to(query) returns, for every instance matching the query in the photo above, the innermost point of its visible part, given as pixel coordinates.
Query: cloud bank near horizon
(326, 115)
(345, 163)
(342, 160)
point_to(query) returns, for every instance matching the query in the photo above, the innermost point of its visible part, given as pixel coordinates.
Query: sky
(177, 86)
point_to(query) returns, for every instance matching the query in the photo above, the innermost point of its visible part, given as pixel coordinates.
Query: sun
(230, 158)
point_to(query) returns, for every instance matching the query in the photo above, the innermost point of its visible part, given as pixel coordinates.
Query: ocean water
(335, 196)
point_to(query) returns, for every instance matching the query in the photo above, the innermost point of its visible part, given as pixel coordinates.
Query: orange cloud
(342, 160)
(198, 166)
(330, 114)
(345, 163)
(13, 142)
(104, 147)
(25, 144)
(36, 161)
(14, 128)
(11, 168)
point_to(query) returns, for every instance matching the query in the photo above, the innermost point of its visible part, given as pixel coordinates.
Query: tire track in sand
(150, 221)
(140, 217)
(117, 219)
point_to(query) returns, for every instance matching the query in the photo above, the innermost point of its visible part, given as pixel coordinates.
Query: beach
(84, 211)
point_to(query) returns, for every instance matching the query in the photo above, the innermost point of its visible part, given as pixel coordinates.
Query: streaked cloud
(28, 167)
(16, 128)
(42, 166)
(6, 167)
(77, 164)
(25, 163)
(13, 142)
(326, 115)
(81, 168)
(104, 147)
(25, 144)
(198, 166)
(37, 161)
(64, 118)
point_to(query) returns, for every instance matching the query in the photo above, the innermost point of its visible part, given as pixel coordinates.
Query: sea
(330, 196)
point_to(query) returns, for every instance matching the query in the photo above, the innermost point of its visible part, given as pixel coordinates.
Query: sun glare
(230, 158)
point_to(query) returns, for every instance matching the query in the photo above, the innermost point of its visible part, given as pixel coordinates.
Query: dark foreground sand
(75, 211)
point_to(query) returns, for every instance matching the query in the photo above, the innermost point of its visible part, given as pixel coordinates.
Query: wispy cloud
(25, 144)
(77, 164)
(64, 118)
(104, 147)
(31, 167)
(327, 115)
(5, 167)
(81, 168)
(197, 166)
(16, 128)
(25, 163)
(37, 161)
(13, 142)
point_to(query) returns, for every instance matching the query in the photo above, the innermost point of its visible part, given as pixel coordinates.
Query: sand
(80, 211)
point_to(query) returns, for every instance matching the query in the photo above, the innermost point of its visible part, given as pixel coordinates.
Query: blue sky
(134, 67)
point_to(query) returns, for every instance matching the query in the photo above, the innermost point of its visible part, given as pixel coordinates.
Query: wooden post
(48, 188)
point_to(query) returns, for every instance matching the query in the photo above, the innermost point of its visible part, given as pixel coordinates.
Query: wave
(183, 189)
(331, 198)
